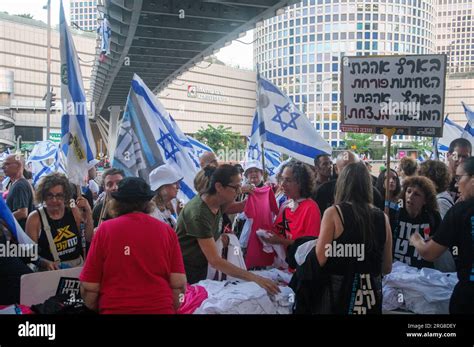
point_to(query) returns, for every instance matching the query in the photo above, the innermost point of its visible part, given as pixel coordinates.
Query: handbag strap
(49, 236)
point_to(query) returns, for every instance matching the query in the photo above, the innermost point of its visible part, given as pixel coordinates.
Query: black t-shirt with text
(426, 224)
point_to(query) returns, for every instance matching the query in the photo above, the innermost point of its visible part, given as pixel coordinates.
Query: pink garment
(261, 206)
(24, 309)
(193, 298)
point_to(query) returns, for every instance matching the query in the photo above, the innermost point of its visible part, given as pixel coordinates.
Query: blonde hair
(201, 182)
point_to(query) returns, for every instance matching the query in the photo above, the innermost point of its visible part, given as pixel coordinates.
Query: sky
(235, 54)
(35, 8)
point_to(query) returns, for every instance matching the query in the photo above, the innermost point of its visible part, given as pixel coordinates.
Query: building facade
(212, 93)
(300, 50)
(84, 14)
(23, 57)
(455, 34)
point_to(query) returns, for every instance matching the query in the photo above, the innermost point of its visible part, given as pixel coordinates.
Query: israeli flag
(149, 137)
(254, 150)
(45, 158)
(284, 128)
(105, 33)
(6, 216)
(468, 132)
(451, 131)
(199, 147)
(42, 160)
(77, 141)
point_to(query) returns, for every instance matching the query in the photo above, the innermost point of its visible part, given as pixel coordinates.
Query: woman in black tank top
(354, 247)
(56, 225)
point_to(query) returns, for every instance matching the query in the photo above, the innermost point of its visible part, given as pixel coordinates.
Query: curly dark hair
(303, 175)
(428, 189)
(118, 208)
(50, 181)
(437, 172)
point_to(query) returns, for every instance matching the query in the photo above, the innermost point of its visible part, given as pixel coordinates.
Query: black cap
(133, 189)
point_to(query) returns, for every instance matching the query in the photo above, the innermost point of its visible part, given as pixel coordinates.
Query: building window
(32, 134)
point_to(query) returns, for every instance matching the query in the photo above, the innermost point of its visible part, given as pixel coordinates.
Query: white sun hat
(164, 174)
(252, 164)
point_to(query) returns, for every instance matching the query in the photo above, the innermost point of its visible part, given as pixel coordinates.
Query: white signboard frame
(405, 92)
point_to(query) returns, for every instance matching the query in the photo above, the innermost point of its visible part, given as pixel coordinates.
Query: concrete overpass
(160, 39)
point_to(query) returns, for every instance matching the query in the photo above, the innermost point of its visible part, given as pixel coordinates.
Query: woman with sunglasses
(457, 233)
(199, 226)
(55, 226)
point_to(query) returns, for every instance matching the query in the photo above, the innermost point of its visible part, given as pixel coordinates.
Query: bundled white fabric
(279, 250)
(235, 297)
(425, 291)
(247, 228)
(234, 256)
(276, 275)
(303, 250)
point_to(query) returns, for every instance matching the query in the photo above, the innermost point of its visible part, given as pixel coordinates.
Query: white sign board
(37, 287)
(402, 92)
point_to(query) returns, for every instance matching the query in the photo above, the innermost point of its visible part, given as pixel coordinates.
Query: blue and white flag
(284, 128)
(149, 137)
(105, 33)
(45, 158)
(77, 141)
(254, 150)
(451, 131)
(11, 223)
(468, 132)
(199, 147)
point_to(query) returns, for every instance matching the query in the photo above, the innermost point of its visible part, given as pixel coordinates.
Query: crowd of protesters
(143, 245)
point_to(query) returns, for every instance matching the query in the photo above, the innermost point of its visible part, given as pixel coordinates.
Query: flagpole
(265, 174)
(82, 226)
(389, 133)
(48, 74)
(102, 211)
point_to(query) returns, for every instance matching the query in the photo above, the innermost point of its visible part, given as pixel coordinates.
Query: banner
(402, 92)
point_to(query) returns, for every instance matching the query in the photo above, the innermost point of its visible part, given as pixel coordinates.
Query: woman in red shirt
(134, 265)
(299, 216)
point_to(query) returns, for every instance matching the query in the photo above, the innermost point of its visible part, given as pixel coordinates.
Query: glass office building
(455, 34)
(301, 48)
(84, 14)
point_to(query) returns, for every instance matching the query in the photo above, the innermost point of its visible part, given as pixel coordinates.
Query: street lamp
(48, 71)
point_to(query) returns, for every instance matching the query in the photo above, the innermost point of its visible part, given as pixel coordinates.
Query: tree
(25, 15)
(220, 138)
(359, 143)
(422, 145)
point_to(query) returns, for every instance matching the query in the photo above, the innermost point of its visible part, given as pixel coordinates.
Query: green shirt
(196, 221)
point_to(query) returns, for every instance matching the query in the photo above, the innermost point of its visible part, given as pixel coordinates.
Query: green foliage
(424, 143)
(359, 143)
(220, 138)
(25, 15)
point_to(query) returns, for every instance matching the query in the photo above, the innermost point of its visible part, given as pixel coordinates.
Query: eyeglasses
(50, 196)
(236, 188)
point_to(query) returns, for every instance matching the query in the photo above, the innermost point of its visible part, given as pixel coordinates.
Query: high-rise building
(23, 57)
(455, 34)
(301, 48)
(84, 14)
